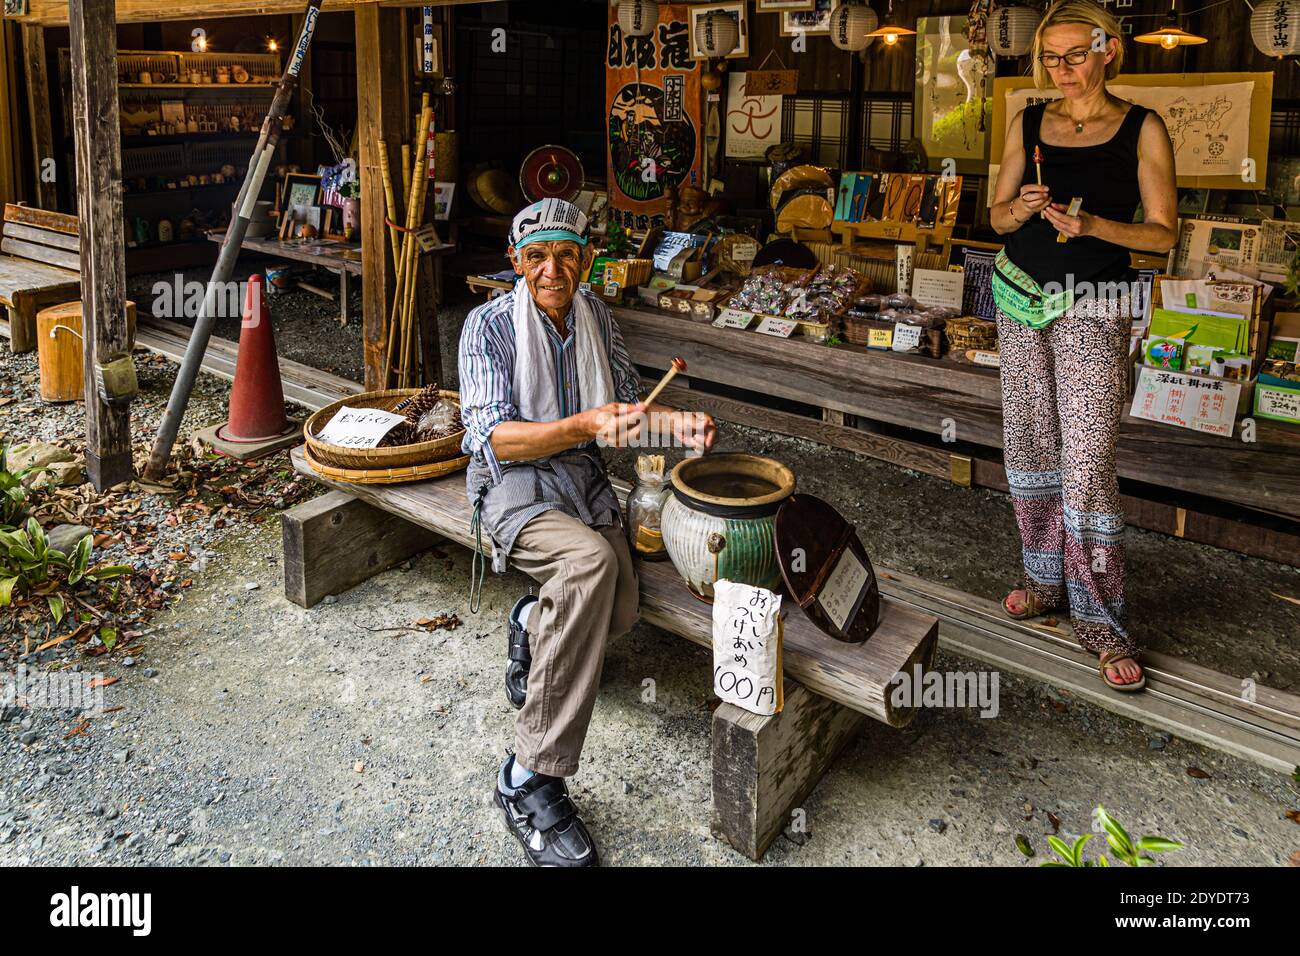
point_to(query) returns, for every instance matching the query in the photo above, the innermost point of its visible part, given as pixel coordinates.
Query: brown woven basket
(387, 476)
(969, 332)
(398, 456)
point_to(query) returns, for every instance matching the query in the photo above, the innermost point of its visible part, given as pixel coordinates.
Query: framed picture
(442, 196)
(734, 10)
(953, 104)
(301, 191)
(777, 6)
(812, 22)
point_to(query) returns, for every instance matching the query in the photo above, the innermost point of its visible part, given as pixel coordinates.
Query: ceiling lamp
(1275, 27)
(1169, 35)
(637, 18)
(888, 31)
(851, 26)
(1011, 30)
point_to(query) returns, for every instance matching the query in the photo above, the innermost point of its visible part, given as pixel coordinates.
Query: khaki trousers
(588, 594)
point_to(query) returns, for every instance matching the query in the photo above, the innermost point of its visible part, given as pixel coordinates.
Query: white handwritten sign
(906, 337)
(781, 328)
(937, 287)
(358, 427)
(733, 319)
(1198, 402)
(747, 634)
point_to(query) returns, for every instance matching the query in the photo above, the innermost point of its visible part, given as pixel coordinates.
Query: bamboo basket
(388, 476)
(399, 456)
(970, 332)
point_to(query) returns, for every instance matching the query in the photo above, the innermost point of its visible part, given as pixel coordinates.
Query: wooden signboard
(826, 569)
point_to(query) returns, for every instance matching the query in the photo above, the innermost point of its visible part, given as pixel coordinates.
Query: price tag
(906, 337)
(733, 319)
(584, 286)
(981, 357)
(782, 328)
(358, 427)
(744, 251)
(426, 236)
(880, 338)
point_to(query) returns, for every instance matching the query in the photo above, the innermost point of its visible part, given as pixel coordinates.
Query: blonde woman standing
(1064, 319)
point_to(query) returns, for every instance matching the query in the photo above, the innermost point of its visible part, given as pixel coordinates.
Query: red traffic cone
(257, 424)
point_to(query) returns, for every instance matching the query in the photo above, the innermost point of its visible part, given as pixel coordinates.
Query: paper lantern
(1011, 30)
(1275, 27)
(637, 18)
(717, 34)
(850, 24)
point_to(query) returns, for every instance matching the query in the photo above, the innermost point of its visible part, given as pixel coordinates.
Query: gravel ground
(252, 731)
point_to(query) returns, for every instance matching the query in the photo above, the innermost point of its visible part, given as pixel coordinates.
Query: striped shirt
(487, 362)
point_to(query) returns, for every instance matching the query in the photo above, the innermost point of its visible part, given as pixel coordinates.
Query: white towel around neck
(535, 376)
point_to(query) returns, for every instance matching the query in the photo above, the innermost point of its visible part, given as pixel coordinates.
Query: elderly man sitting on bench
(544, 373)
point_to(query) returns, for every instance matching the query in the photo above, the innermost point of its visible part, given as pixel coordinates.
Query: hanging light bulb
(272, 44)
(1169, 35)
(890, 32)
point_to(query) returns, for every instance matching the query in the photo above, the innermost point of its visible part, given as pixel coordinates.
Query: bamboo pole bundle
(390, 200)
(406, 358)
(405, 267)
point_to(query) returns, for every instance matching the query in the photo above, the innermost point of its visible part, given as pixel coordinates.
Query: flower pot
(718, 524)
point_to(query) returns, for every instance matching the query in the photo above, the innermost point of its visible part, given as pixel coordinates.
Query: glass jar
(644, 508)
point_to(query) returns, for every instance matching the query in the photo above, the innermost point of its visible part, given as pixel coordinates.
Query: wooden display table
(944, 398)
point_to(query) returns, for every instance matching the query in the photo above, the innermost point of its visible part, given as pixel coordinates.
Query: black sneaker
(540, 813)
(518, 657)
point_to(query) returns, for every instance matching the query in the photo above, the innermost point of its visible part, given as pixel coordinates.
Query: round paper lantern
(637, 18)
(717, 34)
(1275, 27)
(850, 24)
(1011, 30)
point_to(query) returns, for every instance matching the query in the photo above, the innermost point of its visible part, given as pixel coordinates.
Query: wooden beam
(334, 542)
(38, 108)
(765, 767)
(93, 35)
(381, 112)
(55, 12)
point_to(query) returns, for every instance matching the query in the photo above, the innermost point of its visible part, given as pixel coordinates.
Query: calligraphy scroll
(753, 122)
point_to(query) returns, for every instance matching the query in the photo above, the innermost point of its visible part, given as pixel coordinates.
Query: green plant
(13, 493)
(1121, 844)
(617, 242)
(29, 564)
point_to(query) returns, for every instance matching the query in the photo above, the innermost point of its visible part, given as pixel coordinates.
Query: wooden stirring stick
(679, 365)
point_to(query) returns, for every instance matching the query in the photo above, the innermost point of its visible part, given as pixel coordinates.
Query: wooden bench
(763, 767)
(40, 265)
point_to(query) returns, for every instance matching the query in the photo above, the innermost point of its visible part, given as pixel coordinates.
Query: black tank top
(1105, 177)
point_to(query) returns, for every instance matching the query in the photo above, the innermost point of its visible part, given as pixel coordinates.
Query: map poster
(753, 122)
(1209, 125)
(652, 89)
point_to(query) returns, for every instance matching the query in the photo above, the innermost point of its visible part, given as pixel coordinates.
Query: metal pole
(264, 152)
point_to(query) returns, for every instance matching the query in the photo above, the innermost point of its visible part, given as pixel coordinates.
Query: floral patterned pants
(1063, 390)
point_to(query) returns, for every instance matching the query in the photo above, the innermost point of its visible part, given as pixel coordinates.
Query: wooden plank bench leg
(22, 328)
(334, 542)
(765, 767)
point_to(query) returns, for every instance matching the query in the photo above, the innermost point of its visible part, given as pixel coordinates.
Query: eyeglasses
(1073, 58)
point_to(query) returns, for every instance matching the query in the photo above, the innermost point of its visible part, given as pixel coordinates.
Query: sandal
(1107, 658)
(519, 658)
(1031, 608)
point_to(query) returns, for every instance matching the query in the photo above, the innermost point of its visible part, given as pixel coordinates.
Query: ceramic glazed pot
(718, 523)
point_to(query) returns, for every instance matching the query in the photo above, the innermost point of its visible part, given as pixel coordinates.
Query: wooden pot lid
(826, 569)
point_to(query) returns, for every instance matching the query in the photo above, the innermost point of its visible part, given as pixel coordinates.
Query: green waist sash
(1022, 299)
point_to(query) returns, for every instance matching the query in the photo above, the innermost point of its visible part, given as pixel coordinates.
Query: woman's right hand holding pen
(1033, 199)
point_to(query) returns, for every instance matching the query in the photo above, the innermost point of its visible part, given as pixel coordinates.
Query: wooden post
(93, 32)
(381, 112)
(38, 107)
(765, 767)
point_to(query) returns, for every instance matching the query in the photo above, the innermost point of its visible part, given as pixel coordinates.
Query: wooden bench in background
(763, 767)
(40, 265)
